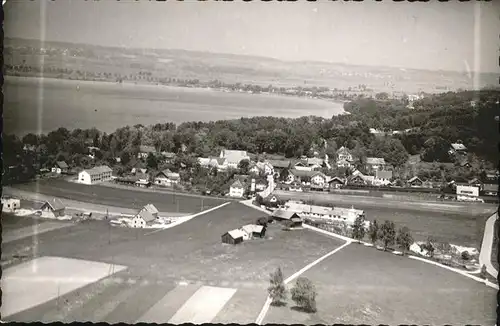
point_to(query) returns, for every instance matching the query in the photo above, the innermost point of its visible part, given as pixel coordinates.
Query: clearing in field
(203, 306)
(43, 279)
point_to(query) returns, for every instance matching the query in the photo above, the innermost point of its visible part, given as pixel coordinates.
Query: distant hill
(242, 68)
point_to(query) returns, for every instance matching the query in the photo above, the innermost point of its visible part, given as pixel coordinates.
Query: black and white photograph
(250, 162)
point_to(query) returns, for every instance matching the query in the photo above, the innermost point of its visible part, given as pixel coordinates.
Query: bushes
(304, 294)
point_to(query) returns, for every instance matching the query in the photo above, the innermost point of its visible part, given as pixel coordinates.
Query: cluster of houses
(246, 232)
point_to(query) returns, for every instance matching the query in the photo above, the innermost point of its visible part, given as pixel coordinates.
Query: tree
(388, 233)
(277, 288)
(151, 161)
(404, 239)
(373, 231)
(358, 229)
(244, 166)
(304, 294)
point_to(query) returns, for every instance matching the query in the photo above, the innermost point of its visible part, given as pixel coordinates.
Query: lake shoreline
(31, 103)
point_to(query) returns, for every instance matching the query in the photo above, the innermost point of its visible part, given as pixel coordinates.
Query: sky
(437, 36)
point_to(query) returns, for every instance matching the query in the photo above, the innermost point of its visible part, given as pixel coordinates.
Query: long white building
(95, 175)
(339, 214)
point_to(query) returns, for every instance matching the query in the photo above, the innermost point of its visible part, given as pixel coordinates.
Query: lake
(41, 105)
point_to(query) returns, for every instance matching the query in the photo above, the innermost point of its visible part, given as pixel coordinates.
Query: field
(35, 106)
(360, 285)
(459, 224)
(116, 197)
(191, 252)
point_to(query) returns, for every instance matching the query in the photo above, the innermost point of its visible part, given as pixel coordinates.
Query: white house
(237, 189)
(382, 178)
(95, 175)
(142, 219)
(53, 208)
(166, 178)
(234, 157)
(221, 164)
(467, 192)
(10, 204)
(60, 167)
(344, 158)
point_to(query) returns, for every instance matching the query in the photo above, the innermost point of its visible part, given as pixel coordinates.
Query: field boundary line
(267, 304)
(187, 218)
(475, 278)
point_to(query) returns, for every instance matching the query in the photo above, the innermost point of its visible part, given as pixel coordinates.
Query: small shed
(53, 208)
(253, 230)
(233, 237)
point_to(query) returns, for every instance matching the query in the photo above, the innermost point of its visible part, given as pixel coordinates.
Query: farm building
(284, 215)
(53, 208)
(252, 231)
(166, 178)
(233, 237)
(10, 204)
(95, 175)
(60, 167)
(146, 216)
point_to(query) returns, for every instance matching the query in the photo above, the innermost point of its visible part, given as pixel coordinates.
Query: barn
(53, 208)
(253, 231)
(292, 218)
(233, 237)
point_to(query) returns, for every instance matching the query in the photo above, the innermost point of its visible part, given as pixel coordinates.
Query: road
(487, 246)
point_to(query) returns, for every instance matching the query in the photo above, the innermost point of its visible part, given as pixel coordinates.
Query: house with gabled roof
(344, 158)
(252, 231)
(313, 178)
(237, 189)
(218, 163)
(415, 182)
(261, 168)
(166, 178)
(60, 167)
(233, 237)
(383, 177)
(359, 179)
(336, 183)
(151, 209)
(53, 208)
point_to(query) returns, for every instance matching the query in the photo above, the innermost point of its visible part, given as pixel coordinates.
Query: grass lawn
(362, 285)
(120, 197)
(461, 228)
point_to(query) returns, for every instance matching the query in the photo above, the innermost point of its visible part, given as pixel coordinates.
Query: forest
(434, 123)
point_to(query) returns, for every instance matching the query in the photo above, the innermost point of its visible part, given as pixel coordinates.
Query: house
(95, 175)
(476, 183)
(142, 219)
(60, 167)
(252, 231)
(10, 204)
(457, 148)
(221, 164)
(166, 178)
(347, 215)
(261, 168)
(374, 164)
(144, 151)
(336, 183)
(313, 178)
(466, 192)
(415, 182)
(383, 178)
(308, 164)
(233, 237)
(142, 180)
(151, 209)
(237, 189)
(168, 156)
(359, 179)
(279, 166)
(53, 208)
(344, 158)
(492, 176)
(234, 157)
(490, 189)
